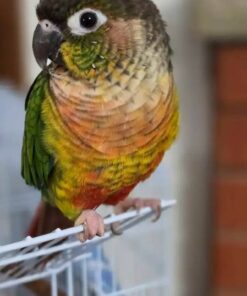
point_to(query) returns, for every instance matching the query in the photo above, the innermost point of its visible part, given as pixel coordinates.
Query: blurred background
(206, 168)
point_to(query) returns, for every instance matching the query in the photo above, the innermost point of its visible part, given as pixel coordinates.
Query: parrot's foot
(137, 204)
(93, 225)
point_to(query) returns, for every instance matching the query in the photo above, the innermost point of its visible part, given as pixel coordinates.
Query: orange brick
(231, 203)
(230, 265)
(230, 292)
(231, 73)
(231, 141)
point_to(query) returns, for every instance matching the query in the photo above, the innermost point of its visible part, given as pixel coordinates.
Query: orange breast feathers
(107, 138)
(119, 121)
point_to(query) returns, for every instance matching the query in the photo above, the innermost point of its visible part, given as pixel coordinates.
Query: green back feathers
(37, 163)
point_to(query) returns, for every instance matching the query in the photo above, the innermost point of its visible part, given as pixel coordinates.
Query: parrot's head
(88, 35)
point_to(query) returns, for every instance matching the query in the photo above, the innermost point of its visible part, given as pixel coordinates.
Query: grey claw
(158, 212)
(116, 229)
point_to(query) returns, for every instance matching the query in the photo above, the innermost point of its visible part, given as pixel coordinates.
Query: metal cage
(71, 268)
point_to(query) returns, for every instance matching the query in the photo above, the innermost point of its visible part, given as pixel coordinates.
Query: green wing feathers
(37, 163)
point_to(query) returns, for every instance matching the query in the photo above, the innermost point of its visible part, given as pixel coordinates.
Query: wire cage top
(48, 257)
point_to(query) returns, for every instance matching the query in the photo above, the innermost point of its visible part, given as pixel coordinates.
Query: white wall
(188, 160)
(28, 22)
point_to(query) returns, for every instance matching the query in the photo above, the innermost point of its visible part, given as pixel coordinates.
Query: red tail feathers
(47, 219)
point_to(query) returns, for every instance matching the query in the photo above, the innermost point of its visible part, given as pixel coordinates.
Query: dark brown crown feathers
(58, 10)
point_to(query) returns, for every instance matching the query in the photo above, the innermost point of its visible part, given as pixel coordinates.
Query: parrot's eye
(86, 21)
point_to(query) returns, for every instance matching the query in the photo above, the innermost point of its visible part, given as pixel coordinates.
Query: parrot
(103, 111)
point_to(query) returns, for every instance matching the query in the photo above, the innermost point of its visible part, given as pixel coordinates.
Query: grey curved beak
(46, 45)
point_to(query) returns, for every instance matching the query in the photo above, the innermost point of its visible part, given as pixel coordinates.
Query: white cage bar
(49, 256)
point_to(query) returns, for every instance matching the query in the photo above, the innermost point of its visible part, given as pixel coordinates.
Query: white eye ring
(74, 22)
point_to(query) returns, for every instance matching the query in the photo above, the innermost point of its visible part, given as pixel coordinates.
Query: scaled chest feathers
(119, 116)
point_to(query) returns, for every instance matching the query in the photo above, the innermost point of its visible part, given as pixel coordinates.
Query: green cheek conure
(101, 115)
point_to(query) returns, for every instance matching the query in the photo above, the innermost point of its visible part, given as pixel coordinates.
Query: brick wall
(230, 180)
(10, 63)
